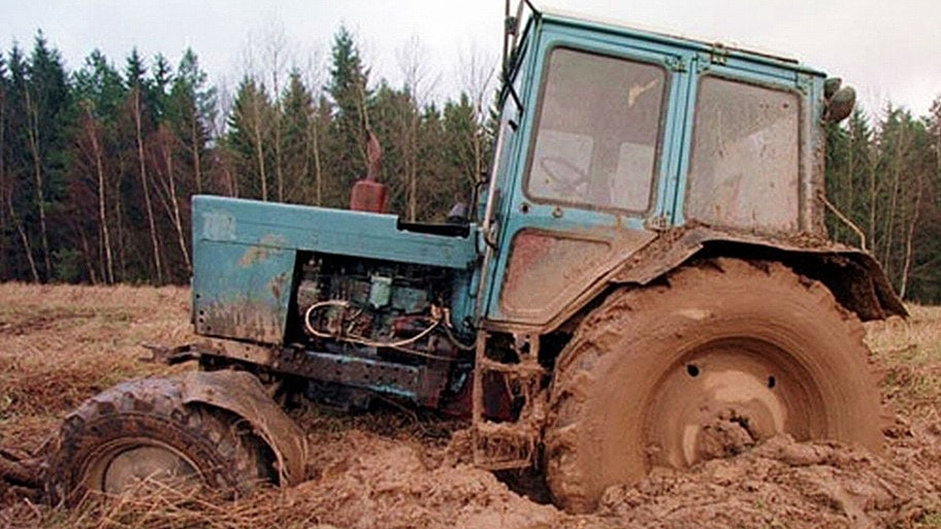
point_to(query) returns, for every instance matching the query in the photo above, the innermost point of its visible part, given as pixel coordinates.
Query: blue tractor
(645, 280)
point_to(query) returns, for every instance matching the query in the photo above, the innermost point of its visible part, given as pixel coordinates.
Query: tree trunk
(158, 265)
(278, 162)
(32, 133)
(318, 172)
(893, 202)
(259, 146)
(102, 200)
(24, 238)
(872, 207)
(175, 203)
(413, 163)
(197, 162)
(909, 250)
(3, 189)
(119, 227)
(86, 252)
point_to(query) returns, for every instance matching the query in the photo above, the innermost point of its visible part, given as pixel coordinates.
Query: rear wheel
(140, 431)
(726, 355)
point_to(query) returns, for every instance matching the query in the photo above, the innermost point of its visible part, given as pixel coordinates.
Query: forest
(97, 165)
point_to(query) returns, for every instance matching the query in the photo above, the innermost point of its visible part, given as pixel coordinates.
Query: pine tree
(298, 141)
(140, 104)
(4, 221)
(99, 94)
(348, 89)
(247, 139)
(19, 168)
(391, 115)
(191, 109)
(47, 103)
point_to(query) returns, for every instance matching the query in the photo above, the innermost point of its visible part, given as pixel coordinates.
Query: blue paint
(245, 254)
(332, 231)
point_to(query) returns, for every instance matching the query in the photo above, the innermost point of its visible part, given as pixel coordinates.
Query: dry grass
(909, 354)
(61, 344)
(158, 506)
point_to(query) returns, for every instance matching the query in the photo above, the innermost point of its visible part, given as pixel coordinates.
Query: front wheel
(725, 355)
(140, 431)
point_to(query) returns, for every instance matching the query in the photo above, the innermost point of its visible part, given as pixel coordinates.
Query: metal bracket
(512, 443)
(160, 354)
(677, 64)
(719, 54)
(658, 223)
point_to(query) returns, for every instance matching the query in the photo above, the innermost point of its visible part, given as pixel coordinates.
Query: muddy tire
(721, 356)
(142, 430)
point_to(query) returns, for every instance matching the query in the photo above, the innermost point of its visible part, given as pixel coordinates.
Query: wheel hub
(722, 401)
(142, 463)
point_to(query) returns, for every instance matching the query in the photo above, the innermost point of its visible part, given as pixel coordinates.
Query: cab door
(593, 175)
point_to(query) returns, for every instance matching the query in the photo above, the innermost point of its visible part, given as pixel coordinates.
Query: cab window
(597, 132)
(745, 164)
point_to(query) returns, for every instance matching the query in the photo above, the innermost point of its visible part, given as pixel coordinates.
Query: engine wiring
(440, 317)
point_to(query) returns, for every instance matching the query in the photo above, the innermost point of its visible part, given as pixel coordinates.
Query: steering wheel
(567, 177)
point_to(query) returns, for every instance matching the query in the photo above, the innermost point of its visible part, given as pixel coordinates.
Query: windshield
(597, 132)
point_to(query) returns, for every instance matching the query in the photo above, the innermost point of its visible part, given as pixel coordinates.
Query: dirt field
(61, 344)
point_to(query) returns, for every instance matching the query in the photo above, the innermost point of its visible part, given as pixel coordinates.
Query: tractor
(643, 279)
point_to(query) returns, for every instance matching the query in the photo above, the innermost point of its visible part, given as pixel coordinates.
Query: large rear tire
(724, 355)
(141, 430)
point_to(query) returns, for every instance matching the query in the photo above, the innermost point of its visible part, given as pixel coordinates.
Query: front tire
(725, 355)
(141, 430)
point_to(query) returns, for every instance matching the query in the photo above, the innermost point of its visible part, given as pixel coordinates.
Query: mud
(379, 482)
(363, 479)
(781, 484)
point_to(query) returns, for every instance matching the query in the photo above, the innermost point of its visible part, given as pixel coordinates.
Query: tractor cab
(611, 136)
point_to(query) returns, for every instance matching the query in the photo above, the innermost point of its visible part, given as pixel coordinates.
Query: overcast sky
(889, 50)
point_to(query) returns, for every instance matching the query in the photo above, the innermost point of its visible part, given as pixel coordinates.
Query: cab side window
(745, 163)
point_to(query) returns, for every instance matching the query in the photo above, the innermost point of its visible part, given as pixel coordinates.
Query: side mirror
(831, 86)
(839, 101)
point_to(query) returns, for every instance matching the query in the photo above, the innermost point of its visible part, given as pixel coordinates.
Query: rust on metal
(508, 437)
(369, 194)
(268, 246)
(424, 383)
(242, 317)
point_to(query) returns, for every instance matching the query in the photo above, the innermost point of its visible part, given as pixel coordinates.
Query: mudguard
(854, 276)
(241, 393)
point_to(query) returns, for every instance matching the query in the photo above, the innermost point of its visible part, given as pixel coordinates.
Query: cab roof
(577, 19)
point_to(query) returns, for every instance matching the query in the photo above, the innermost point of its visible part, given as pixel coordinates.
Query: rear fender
(241, 393)
(854, 276)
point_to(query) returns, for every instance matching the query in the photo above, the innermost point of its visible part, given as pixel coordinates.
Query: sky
(887, 50)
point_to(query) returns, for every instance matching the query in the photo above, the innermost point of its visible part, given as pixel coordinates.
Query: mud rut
(399, 469)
